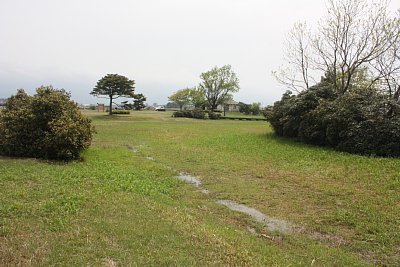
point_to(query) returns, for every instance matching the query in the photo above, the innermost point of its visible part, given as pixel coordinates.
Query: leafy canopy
(181, 97)
(217, 83)
(197, 98)
(114, 86)
(138, 102)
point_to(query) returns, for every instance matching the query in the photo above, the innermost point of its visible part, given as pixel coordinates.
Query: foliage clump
(178, 114)
(139, 101)
(182, 114)
(47, 125)
(181, 97)
(197, 113)
(250, 109)
(363, 120)
(214, 116)
(187, 96)
(121, 112)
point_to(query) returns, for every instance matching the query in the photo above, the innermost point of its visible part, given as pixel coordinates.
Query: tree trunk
(110, 111)
(213, 107)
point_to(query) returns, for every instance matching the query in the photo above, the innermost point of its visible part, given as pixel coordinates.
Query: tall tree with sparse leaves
(217, 83)
(113, 86)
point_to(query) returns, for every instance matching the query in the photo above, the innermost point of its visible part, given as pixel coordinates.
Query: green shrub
(214, 116)
(178, 114)
(361, 120)
(279, 116)
(377, 137)
(17, 126)
(121, 112)
(188, 113)
(47, 125)
(358, 122)
(183, 114)
(198, 113)
(244, 108)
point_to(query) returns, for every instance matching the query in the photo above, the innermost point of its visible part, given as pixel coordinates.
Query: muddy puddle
(193, 181)
(189, 179)
(134, 150)
(272, 224)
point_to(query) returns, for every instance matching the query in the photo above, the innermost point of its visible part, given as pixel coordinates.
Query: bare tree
(297, 54)
(355, 34)
(387, 66)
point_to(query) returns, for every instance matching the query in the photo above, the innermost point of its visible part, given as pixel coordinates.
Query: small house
(230, 106)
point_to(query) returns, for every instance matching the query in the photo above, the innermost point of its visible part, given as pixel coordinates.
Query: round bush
(178, 114)
(198, 113)
(214, 116)
(47, 125)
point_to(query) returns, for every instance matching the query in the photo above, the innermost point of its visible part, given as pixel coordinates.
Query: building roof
(232, 102)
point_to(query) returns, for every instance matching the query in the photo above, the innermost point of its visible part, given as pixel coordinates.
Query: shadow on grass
(44, 161)
(311, 149)
(295, 143)
(298, 145)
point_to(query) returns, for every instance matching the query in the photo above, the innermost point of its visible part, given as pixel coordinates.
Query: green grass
(241, 115)
(115, 206)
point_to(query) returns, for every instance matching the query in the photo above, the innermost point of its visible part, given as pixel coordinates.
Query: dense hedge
(196, 113)
(47, 125)
(214, 116)
(359, 121)
(121, 112)
(182, 114)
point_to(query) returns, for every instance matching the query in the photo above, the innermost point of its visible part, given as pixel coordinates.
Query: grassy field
(241, 115)
(117, 208)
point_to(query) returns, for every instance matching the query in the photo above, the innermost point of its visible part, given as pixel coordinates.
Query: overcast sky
(163, 45)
